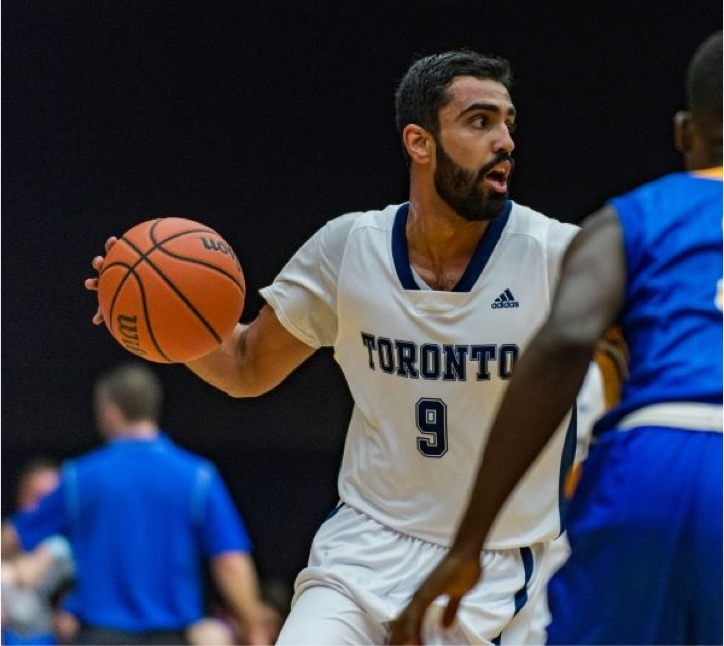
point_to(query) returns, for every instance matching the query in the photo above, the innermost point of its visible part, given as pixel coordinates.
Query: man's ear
(418, 142)
(683, 132)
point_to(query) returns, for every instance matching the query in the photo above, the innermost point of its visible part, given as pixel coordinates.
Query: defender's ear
(683, 132)
(418, 142)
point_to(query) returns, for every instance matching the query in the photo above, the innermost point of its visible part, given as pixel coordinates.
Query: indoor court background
(263, 120)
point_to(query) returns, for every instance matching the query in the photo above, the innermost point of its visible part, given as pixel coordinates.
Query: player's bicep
(593, 280)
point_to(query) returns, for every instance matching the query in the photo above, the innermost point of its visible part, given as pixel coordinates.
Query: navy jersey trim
(399, 249)
(522, 595)
(567, 456)
(333, 512)
(486, 246)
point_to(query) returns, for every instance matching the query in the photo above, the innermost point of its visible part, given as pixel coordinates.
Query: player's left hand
(91, 284)
(455, 575)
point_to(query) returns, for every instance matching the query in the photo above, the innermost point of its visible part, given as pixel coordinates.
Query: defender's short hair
(704, 78)
(135, 389)
(422, 91)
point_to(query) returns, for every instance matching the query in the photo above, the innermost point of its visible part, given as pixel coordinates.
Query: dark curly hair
(422, 91)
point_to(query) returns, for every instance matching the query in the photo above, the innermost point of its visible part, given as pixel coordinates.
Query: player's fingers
(98, 317)
(110, 242)
(91, 283)
(450, 611)
(98, 263)
(407, 630)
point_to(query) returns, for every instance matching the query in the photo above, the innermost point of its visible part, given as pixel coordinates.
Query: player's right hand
(92, 283)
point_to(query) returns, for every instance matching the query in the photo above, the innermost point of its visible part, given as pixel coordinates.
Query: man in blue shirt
(141, 514)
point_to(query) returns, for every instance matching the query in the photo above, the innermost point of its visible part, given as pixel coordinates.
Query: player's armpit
(254, 359)
(612, 357)
(593, 282)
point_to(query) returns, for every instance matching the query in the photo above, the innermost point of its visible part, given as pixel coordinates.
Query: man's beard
(461, 188)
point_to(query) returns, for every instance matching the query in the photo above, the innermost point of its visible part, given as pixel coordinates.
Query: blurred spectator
(140, 513)
(33, 582)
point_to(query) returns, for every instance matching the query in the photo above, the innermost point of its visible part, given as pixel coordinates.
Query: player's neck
(438, 234)
(705, 157)
(141, 430)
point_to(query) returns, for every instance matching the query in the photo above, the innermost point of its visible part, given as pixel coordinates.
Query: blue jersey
(672, 314)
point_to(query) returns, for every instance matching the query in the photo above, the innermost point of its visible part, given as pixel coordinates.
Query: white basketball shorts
(361, 575)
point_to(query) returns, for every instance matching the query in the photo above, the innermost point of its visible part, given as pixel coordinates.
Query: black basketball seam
(143, 255)
(123, 280)
(118, 288)
(148, 318)
(188, 303)
(204, 264)
(161, 248)
(132, 271)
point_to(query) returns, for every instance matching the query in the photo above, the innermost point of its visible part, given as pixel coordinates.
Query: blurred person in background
(32, 583)
(141, 514)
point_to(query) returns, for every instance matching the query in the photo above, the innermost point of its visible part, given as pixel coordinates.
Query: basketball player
(646, 522)
(427, 305)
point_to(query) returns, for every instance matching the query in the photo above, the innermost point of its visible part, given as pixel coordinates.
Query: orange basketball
(171, 290)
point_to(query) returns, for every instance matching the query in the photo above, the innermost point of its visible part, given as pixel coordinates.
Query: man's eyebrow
(489, 107)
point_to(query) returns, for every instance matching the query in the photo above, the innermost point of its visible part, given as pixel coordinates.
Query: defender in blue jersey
(645, 525)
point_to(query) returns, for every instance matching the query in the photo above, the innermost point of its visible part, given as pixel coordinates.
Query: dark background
(263, 120)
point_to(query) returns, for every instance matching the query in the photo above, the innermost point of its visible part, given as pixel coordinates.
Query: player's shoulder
(98, 455)
(671, 183)
(376, 219)
(336, 232)
(547, 231)
(676, 197)
(174, 452)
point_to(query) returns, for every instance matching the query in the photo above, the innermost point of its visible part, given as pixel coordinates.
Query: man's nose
(504, 141)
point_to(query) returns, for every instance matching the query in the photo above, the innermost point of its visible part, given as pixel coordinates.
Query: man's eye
(512, 127)
(480, 121)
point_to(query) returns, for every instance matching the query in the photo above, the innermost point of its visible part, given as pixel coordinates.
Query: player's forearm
(254, 359)
(225, 368)
(236, 578)
(546, 381)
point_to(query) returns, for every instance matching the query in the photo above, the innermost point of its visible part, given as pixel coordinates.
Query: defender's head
(456, 117)
(126, 396)
(698, 131)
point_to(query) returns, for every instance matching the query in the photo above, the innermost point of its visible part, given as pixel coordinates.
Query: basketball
(171, 290)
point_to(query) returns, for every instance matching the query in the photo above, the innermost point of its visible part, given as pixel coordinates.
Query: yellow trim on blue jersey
(708, 173)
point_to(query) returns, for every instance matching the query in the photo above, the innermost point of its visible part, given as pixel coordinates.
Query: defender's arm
(551, 371)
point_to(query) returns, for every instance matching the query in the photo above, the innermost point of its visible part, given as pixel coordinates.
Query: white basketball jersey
(427, 368)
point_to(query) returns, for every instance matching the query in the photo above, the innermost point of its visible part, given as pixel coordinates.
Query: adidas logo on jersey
(506, 299)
